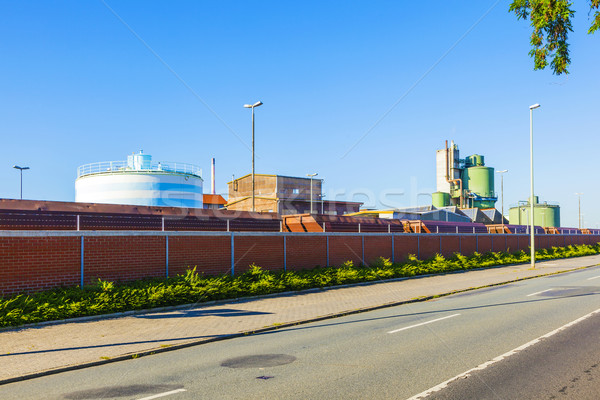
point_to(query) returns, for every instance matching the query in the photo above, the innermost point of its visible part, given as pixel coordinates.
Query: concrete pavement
(38, 350)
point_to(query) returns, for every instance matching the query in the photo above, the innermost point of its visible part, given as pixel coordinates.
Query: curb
(158, 350)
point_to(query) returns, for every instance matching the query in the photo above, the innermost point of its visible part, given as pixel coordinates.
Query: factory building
(284, 195)
(139, 181)
(545, 214)
(464, 183)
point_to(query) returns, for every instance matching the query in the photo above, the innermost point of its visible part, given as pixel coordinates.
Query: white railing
(122, 166)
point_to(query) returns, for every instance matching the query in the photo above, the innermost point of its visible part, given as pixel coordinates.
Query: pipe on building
(452, 181)
(212, 175)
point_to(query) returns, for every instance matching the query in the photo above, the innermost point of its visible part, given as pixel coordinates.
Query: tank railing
(123, 166)
(525, 203)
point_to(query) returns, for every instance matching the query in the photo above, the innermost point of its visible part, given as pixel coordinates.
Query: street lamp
(579, 219)
(258, 103)
(502, 193)
(21, 169)
(531, 217)
(311, 190)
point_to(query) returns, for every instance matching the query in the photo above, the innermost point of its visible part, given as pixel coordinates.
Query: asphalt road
(393, 353)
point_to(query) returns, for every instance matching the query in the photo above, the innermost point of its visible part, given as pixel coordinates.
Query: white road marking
(500, 358)
(156, 396)
(595, 277)
(533, 294)
(423, 323)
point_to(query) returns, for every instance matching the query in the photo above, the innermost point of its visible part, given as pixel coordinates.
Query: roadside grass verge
(192, 287)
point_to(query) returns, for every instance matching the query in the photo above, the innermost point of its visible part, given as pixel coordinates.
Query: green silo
(475, 160)
(480, 181)
(546, 215)
(440, 199)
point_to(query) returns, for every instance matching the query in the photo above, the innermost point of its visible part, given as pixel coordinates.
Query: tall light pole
(311, 190)
(531, 218)
(21, 169)
(579, 219)
(258, 103)
(502, 193)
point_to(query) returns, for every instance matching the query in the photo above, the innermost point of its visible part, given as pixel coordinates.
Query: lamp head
(533, 107)
(258, 103)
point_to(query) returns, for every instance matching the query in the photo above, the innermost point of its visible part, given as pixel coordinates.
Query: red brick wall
(512, 244)
(403, 246)
(38, 263)
(209, 254)
(484, 244)
(377, 246)
(450, 245)
(123, 258)
(345, 248)
(468, 244)
(524, 243)
(306, 252)
(429, 246)
(264, 251)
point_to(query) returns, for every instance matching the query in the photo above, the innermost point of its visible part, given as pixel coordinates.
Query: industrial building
(545, 214)
(284, 195)
(139, 181)
(464, 183)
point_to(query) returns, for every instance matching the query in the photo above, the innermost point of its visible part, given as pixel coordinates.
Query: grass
(192, 287)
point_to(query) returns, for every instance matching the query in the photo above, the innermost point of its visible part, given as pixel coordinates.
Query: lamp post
(21, 169)
(311, 190)
(258, 103)
(531, 217)
(579, 214)
(502, 193)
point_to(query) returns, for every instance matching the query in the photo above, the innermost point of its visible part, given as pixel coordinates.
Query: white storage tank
(139, 181)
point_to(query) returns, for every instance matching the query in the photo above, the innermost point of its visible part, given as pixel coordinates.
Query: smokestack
(212, 174)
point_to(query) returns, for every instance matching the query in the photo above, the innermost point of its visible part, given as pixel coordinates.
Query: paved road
(396, 352)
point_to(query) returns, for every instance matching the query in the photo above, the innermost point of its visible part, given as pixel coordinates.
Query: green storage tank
(474, 160)
(546, 215)
(480, 180)
(440, 199)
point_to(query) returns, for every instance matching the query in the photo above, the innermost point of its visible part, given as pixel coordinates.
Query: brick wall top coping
(53, 233)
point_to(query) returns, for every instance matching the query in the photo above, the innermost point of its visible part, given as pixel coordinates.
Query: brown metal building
(284, 195)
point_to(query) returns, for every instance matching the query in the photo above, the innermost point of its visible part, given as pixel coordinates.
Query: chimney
(212, 175)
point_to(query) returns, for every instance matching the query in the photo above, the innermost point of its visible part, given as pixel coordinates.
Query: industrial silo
(545, 214)
(139, 181)
(478, 180)
(440, 199)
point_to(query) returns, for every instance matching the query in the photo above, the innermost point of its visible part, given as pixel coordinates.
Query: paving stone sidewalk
(46, 348)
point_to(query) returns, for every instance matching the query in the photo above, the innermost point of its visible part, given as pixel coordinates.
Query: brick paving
(45, 348)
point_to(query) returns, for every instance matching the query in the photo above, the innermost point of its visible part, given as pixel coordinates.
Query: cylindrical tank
(440, 199)
(546, 215)
(139, 182)
(480, 180)
(475, 160)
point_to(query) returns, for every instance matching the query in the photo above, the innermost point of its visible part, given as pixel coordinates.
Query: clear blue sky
(82, 83)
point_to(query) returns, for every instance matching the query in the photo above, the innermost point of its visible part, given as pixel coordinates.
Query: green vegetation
(191, 287)
(551, 23)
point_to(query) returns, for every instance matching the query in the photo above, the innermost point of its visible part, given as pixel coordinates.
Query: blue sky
(361, 92)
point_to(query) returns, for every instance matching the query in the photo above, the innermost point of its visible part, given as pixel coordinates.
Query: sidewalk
(44, 349)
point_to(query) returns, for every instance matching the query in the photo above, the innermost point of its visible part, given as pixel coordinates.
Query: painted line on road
(500, 358)
(595, 277)
(543, 291)
(423, 323)
(156, 396)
